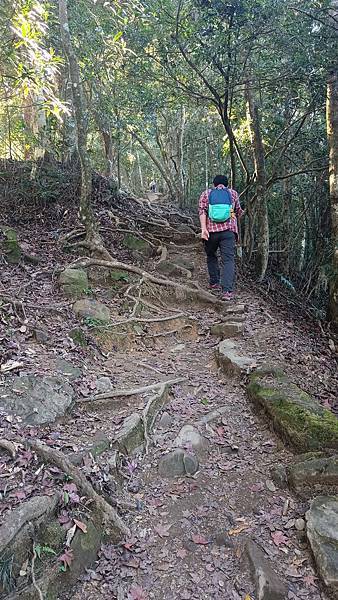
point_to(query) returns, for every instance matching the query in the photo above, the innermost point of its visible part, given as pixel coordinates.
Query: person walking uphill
(219, 211)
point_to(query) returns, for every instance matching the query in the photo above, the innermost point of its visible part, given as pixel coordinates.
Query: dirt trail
(190, 532)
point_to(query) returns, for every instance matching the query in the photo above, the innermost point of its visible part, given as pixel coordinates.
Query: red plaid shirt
(231, 224)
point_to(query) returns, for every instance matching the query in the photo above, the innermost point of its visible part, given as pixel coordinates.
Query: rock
(132, 242)
(171, 269)
(300, 524)
(322, 533)
(295, 414)
(103, 384)
(178, 463)
(131, 434)
(312, 471)
(37, 399)
(92, 310)
(78, 336)
(235, 309)
(20, 527)
(67, 369)
(227, 329)
(10, 245)
(190, 437)
(231, 361)
(279, 476)
(74, 282)
(214, 415)
(181, 261)
(165, 420)
(268, 584)
(41, 336)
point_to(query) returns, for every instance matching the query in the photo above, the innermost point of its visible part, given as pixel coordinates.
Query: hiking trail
(159, 444)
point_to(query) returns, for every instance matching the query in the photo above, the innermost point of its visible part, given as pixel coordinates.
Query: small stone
(223, 539)
(268, 584)
(322, 533)
(103, 385)
(279, 476)
(41, 336)
(300, 524)
(270, 485)
(165, 421)
(290, 524)
(134, 486)
(214, 415)
(92, 310)
(190, 437)
(178, 463)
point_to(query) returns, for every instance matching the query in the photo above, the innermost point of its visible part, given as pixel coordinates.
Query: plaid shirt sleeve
(203, 204)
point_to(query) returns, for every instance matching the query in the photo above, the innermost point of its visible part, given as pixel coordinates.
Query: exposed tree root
(134, 319)
(132, 392)
(51, 455)
(196, 294)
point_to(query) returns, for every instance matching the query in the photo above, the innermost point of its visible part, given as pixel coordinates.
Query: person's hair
(220, 180)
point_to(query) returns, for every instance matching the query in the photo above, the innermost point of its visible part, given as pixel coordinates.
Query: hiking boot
(214, 287)
(228, 296)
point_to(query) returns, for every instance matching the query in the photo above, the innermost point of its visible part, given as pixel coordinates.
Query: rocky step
(322, 533)
(299, 419)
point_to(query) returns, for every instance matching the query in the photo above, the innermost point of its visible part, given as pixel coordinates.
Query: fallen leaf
(66, 558)
(199, 539)
(310, 580)
(136, 592)
(279, 538)
(24, 569)
(80, 525)
(162, 530)
(181, 553)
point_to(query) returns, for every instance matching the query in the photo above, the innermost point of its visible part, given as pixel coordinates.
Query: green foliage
(39, 551)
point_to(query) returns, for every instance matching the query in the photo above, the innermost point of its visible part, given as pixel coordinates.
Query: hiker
(219, 211)
(153, 186)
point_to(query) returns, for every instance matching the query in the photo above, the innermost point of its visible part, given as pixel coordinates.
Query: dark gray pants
(226, 242)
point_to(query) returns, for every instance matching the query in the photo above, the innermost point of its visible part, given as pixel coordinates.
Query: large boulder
(295, 414)
(322, 532)
(92, 310)
(268, 585)
(74, 282)
(322, 470)
(37, 399)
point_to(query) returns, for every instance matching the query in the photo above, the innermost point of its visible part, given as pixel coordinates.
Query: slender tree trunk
(171, 186)
(140, 174)
(286, 227)
(80, 113)
(332, 134)
(262, 256)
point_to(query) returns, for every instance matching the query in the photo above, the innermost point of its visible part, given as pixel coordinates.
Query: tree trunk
(80, 114)
(332, 134)
(262, 256)
(171, 186)
(286, 227)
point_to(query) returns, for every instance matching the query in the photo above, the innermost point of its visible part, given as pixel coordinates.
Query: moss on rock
(294, 413)
(137, 244)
